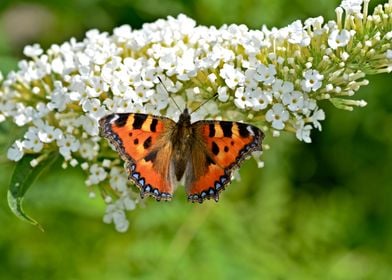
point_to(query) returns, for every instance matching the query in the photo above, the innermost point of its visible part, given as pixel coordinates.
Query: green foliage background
(316, 211)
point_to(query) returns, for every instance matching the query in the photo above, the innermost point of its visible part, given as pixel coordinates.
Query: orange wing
(142, 143)
(220, 147)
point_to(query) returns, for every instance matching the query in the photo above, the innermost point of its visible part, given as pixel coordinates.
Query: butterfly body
(159, 152)
(182, 139)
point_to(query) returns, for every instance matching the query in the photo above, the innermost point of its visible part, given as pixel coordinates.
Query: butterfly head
(185, 117)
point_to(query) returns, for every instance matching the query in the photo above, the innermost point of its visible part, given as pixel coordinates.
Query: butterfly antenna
(163, 85)
(201, 105)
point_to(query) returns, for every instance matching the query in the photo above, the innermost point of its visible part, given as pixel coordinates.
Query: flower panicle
(274, 78)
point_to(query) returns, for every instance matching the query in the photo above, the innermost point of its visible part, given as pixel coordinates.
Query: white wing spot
(114, 118)
(250, 129)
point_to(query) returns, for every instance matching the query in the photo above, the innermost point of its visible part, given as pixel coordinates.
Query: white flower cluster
(272, 78)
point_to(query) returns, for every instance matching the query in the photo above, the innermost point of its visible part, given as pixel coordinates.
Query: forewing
(220, 147)
(142, 143)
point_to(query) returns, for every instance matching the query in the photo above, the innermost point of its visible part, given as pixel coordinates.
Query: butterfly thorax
(181, 138)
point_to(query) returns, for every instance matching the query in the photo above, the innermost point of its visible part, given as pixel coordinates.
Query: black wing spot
(209, 161)
(138, 120)
(130, 134)
(147, 143)
(153, 126)
(121, 119)
(151, 156)
(232, 143)
(136, 141)
(226, 149)
(243, 130)
(215, 148)
(212, 130)
(227, 128)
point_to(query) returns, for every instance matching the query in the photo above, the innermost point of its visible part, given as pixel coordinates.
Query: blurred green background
(316, 211)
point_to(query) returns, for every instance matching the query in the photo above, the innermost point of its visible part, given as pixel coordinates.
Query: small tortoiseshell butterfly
(158, 151)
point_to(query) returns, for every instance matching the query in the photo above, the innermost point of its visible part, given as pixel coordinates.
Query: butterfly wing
(219, 147)
(142, 142)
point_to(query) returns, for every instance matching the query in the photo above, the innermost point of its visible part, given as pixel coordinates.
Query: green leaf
(23, 177)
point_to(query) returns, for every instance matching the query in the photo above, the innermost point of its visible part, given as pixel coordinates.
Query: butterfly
(159, 152)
